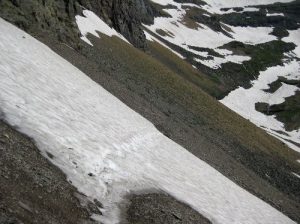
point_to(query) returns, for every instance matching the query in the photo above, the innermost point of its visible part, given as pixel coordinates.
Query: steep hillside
(235, 43)
(179, 96)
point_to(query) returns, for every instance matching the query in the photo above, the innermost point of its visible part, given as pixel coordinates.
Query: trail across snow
(89, 131)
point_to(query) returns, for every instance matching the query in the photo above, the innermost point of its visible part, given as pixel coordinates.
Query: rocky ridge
(59, 17)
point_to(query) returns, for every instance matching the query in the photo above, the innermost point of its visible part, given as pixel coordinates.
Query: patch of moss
(187, 18)
(274, 86)
(184, 69)
(262, 56)
(287, 112)
(280, 32)
(290, 116)
(195, 16)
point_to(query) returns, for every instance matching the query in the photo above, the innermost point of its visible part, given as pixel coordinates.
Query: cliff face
(43, 16)
(125, 16)
(59, 17)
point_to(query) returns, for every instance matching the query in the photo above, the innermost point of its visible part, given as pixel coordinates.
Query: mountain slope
(172, 99)
(99, 157)
(235, 43)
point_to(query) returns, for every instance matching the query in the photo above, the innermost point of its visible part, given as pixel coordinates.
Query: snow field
(205, 37)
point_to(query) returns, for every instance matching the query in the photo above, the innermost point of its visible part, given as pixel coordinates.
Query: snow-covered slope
(201, 36)
(104, 147)
(246, 107)
(177, 32)
(243, 101)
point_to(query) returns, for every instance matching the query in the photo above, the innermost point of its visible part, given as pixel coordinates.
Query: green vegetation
(174, 96)
(148, 77)
(287, 112)
(183, 112)
(274, 86)
(185, 70)
(187, 18)
(262, 56)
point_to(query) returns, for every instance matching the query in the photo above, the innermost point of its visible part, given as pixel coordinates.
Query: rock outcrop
(58, 17)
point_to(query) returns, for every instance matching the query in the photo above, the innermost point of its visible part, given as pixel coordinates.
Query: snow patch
(91, 23)
(294, 37)
(217, 62)
(205, 37)
(215, 6)
(242, 101)
(228, 56)
(275, 14)
(295, 174)
(232, 10)
(88, 130)
(218, 4)
(252, 35)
